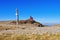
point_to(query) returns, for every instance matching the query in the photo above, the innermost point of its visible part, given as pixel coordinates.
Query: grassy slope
(9, 36)
(45, 36)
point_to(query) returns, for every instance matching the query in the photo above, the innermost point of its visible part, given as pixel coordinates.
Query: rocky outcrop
(30, 21)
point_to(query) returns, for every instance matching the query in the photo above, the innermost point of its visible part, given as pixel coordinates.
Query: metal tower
(17, 17)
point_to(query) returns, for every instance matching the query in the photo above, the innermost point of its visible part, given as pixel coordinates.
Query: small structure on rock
(31, 18)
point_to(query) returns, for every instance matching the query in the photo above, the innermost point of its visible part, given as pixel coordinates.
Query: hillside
(28, 31)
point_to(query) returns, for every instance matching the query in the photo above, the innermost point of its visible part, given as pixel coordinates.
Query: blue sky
(44, 11)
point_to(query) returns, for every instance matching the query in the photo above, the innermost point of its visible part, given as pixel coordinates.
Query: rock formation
(29, 21)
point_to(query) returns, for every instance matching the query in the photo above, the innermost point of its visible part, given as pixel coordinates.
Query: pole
(17, 18)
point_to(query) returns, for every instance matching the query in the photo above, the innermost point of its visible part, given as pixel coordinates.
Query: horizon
(44, 11)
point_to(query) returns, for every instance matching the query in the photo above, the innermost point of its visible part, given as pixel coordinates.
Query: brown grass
(45, 36)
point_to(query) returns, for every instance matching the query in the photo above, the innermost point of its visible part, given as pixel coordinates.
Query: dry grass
(32, 36)
(7, 27)
(45, 36)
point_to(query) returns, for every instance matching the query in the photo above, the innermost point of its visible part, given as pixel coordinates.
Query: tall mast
(17, 17)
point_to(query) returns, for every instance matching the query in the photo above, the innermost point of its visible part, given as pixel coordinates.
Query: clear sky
(44, 11)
